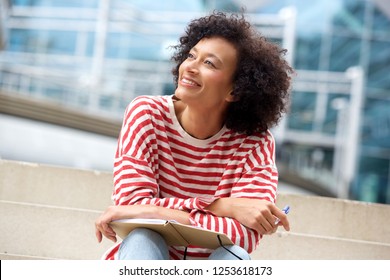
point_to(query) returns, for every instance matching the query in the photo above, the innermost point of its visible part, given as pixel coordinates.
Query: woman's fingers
(102, 228)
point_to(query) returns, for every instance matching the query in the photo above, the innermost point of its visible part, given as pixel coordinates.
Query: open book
(174, 233)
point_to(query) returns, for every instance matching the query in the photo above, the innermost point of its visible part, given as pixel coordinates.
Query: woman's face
(206, 76)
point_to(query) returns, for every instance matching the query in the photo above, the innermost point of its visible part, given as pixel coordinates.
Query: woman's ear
(231, 97)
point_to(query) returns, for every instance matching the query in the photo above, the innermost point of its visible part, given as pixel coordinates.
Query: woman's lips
(187, 81)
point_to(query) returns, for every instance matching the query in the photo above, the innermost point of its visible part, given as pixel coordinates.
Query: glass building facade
(98, 55)
(351, 33)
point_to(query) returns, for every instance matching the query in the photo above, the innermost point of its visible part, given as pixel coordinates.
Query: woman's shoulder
(148, 104)
(257, 137)
(266, 136)
(149, 100)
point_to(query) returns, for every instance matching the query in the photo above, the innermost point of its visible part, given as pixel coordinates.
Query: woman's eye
(208, 62)
(190, 55)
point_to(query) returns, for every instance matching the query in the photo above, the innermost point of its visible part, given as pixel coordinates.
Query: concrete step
(315, 215)
(295, 246)
(31, 231)
(51, 185)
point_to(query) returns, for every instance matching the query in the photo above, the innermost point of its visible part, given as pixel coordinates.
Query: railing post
(99, 52)
(351, 143)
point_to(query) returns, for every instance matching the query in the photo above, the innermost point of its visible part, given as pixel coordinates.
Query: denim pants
(145, 244)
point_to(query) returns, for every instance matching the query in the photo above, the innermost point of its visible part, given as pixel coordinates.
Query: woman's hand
(102, 227)
(260, 215)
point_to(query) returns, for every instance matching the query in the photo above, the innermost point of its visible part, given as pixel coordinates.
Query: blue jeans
(145, 244)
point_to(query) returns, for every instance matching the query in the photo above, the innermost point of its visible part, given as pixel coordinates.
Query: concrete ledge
(293, 246)
(44, 232)
(51, 185)
(8, 256)
(340, 218)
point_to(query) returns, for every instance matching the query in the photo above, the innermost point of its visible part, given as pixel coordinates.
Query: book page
(143, 221)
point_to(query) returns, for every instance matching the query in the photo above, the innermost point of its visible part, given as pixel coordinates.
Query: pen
(286, 209)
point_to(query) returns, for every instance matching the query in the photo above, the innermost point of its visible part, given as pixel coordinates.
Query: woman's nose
(191, 66)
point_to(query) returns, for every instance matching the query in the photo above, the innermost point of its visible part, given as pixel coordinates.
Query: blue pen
(286, 209)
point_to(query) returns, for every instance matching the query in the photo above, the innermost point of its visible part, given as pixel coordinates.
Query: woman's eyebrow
(208, 54)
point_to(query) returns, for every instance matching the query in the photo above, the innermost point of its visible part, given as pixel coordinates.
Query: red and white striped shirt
(158, 163)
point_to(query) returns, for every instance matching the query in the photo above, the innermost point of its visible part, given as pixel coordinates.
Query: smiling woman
(204, 156)
(261, 79)
(205, 86)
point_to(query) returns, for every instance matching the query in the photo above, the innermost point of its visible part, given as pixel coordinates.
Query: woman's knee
(230, 252)
(144, 234)
(142, 243)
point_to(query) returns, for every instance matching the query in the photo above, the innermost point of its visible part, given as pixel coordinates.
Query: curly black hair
(262, 77)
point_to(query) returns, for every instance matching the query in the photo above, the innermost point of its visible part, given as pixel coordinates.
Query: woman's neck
(201, 125)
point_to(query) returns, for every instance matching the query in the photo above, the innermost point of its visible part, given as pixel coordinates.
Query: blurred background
(69, 68)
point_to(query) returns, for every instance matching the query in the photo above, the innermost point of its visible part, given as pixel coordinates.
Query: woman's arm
(249, 210)
(244, 220)
(256, 214)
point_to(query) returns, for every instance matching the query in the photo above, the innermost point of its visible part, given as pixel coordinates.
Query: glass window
(381, 21)
(337, 107)
(372, 182)
(376, 130)
(61, 42)
(132, 46)
(308, 53)
(166, 5)
(18, 39)
(379, 65)
(42, 41)
(302, 111)
(351, 17)
(345, 52)
(57, 3)
(90, 44)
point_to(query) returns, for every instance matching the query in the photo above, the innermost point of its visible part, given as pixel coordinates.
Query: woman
(204, 156)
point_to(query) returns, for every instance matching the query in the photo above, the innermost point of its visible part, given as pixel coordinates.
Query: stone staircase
(48, 212)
